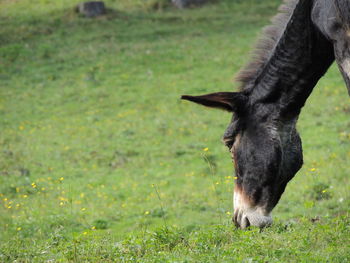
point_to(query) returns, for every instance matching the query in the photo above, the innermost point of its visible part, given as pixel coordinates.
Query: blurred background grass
(95, 142)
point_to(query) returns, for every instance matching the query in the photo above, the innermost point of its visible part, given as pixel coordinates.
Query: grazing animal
(294, 53)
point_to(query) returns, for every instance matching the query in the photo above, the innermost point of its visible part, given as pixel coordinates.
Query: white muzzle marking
(246, 215)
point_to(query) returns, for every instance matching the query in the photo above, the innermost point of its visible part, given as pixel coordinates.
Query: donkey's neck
(295, 62)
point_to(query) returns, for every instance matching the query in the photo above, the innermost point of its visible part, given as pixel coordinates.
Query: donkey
(294, 53)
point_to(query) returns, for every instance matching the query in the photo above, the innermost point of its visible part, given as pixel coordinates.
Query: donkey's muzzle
(243, 219)
(246, 214)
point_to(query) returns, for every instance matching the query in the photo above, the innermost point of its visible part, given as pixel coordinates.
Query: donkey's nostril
(245, 223)
(234, 219)
(237, 218)
(240, 219)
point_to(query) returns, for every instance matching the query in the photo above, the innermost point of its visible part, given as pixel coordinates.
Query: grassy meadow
(100, 161)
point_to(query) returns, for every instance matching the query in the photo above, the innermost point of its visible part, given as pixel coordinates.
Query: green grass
(100, 161)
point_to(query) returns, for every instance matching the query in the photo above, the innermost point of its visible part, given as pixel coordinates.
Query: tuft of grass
(321, 191)
(100, 224)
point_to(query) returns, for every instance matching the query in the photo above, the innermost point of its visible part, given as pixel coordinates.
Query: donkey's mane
(266, 44)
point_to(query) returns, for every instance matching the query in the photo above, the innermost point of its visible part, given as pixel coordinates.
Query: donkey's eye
(228, 141)
(230, 134)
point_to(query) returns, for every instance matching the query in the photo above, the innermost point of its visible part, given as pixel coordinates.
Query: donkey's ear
(230, 101)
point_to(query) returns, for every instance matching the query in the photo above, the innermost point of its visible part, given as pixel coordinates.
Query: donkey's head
(265, 152)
